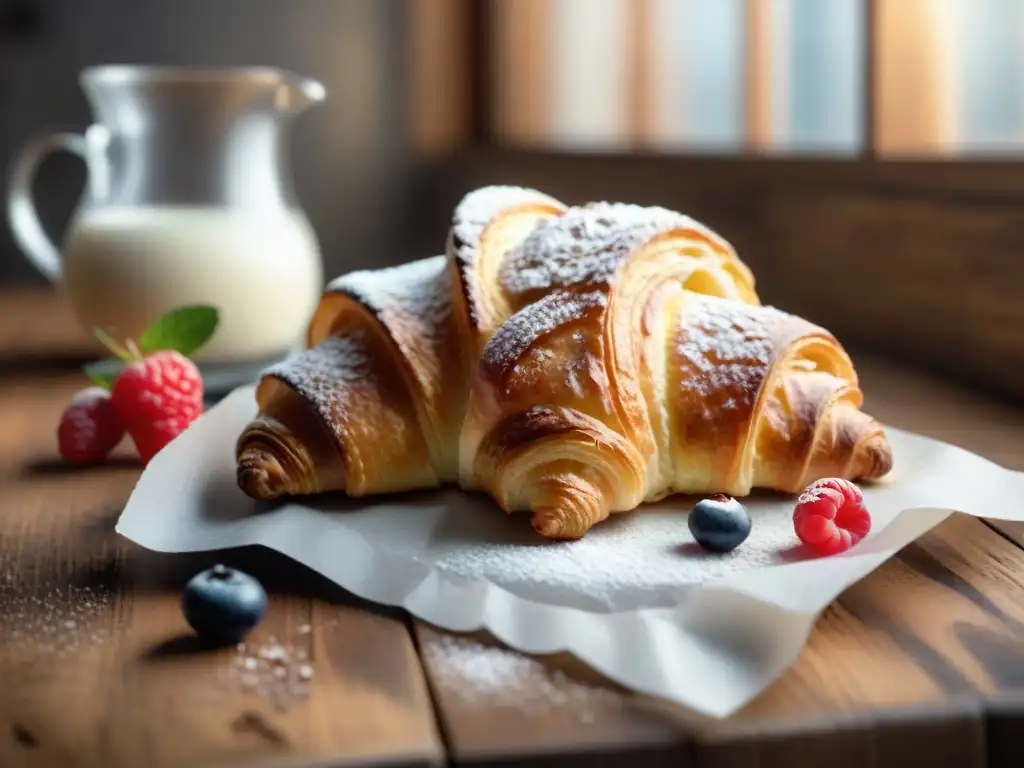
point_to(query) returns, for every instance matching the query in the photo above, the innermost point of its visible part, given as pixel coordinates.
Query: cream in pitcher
(189, 200)
(124, 266)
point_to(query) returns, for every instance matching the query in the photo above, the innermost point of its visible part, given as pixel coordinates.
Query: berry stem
(112, 345)
(133, 350)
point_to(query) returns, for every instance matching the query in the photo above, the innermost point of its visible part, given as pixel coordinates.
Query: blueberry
(719, 523)
(222, 605)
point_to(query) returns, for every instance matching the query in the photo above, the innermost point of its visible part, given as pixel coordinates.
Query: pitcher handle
(21, 210)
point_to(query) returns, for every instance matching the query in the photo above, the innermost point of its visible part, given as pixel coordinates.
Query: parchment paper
(636, 599)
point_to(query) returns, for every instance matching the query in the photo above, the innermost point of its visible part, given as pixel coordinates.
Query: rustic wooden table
(922, 660)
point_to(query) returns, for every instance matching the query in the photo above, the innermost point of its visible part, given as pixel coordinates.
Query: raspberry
(89, 428)
(830, 516)
(157, 398)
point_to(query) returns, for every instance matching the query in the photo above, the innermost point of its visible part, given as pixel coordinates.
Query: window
(806, 77)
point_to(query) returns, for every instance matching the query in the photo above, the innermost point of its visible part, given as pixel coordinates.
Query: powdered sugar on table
(279, 671)
(489, 675)
(57, 622)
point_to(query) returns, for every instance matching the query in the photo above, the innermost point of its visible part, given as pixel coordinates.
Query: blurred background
(860, 154)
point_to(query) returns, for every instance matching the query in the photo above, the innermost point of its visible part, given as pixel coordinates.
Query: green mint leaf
(103, 372)
(185, 330)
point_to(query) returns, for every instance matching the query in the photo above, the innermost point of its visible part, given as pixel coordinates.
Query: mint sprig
(185, 330)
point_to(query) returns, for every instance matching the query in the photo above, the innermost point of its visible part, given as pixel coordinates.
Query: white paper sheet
(636, 599)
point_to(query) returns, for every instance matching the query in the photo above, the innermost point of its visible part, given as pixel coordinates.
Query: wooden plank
(498, 704)
(1013, 531)
(948, 734)
(365, 700)
(914, 260)
(97, 667)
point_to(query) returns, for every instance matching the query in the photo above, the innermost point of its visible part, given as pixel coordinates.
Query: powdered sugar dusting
(642, 559)
(521, 330)
(836, 490)
(277, 671)
(724, 346)
(420, 290)
(60, 622)
(414, 303)
(492, 676)
(816, 493)
(477, 208)
(584, 246)
(319, 374)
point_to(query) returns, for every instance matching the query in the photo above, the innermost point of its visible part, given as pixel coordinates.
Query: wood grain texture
(498, 704)
(917, 260)
(97, 665)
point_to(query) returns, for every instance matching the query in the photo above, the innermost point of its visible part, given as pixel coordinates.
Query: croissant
(579, 411)
(377, 402)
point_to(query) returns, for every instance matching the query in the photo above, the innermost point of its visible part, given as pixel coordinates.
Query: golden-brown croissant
(588, 403)
(377, 402)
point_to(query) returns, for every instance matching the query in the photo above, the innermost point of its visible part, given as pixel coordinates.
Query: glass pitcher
(189, 200)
